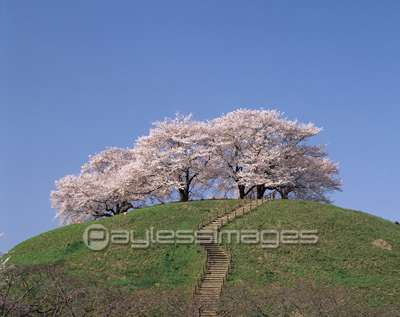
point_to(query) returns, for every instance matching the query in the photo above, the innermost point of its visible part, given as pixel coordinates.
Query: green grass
(159, 266)
(343, 257)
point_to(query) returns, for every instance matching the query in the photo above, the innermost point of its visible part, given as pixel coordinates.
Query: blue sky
(78, 76)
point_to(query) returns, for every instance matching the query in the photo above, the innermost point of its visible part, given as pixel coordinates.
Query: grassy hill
(356, 251)
(159, 266)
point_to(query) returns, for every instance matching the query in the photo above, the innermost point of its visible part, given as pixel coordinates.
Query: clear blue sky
(78, 76)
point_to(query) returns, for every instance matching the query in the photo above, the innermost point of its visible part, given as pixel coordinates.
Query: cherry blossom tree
(102, 189)
(310, 176)
(244, 150)
(177, 151)
(270, 168)
(246, 146)
(236, 138)
(260, 150)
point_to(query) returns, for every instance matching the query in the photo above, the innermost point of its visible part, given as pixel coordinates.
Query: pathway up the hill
(208, 294)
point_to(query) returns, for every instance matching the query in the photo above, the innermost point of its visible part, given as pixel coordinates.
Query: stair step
(221, 267)
(215, 290)
(215, 268)
(219, 258)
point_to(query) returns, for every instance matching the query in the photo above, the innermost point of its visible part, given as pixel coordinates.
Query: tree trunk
(260, 191)
(125, 206)
(284, 193)
(242, 193)
(184, 194)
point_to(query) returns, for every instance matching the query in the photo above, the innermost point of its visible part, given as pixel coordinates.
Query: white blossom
(244, 151)
(177, 154)
(101, 189)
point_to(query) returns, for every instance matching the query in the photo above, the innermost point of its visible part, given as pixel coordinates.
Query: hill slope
(345, 254)
(356, 251)
(159, 266)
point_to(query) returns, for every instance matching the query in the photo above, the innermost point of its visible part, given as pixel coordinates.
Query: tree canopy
(241, 152)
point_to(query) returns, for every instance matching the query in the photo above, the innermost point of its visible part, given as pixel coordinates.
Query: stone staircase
(218, 261)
